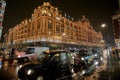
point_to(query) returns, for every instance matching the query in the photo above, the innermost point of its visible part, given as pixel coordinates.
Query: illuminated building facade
(48, 25)
(2, 10)
(116, 26)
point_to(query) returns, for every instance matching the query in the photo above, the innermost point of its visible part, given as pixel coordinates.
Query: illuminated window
(49, 21)
(50, 24)
(67, 22)
(62, 28)
(58, 18)
(49, 32)
(57, 29)
(58, 24)
(44, 12)
(49, 14)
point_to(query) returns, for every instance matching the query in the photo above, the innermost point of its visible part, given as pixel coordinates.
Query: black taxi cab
(52, 65)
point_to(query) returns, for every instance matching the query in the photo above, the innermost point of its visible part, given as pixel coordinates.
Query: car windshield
(53, 56)
(30, 50)
(43, 57)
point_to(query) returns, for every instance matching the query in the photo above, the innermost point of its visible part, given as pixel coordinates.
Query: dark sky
(97, 12)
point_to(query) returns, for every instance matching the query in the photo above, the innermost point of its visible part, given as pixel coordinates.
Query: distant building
(48, 25)
(116, 26)
(2, 10)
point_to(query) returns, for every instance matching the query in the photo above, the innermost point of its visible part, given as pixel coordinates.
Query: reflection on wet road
(8, 71)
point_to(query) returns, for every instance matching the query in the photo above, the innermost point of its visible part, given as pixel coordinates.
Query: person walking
(113, 54)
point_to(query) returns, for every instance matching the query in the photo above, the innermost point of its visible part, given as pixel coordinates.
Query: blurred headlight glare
(82, 58)
(29, 72)
(20, 66)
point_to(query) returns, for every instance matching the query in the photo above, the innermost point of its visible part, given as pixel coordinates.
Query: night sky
(96, 11)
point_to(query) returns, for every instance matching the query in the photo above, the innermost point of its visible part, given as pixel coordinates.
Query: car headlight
(101, 58)
(96, 63)
(82, 58)
(18, 56)
(83, 72)
(20, 66)
(95, 55)
(29, 72)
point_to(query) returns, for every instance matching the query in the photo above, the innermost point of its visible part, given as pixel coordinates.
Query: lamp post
(104, 32)
(103, 25)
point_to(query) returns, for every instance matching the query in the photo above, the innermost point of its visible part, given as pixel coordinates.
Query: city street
(112, 70)
(109, 70)
(9, 71)
(52, 40)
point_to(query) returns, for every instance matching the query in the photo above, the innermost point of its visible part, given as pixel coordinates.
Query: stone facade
(49, 25)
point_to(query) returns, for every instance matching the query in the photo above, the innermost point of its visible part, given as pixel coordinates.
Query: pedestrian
(113, 54)
(117, 54)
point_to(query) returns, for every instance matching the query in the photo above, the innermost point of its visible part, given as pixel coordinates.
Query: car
(29, 53)
(84, 62)
(53, 65)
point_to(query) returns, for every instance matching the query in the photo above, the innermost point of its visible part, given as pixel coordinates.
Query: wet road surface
(8, 71)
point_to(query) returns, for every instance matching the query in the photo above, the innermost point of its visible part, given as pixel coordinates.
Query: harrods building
(47, 25)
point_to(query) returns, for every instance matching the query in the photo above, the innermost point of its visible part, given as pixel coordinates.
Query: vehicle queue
(83, 61)
(60, 64)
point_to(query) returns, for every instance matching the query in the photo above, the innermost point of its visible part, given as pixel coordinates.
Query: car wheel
(40, 78)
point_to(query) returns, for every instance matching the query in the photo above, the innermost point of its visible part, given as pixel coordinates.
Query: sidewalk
(112, 70)
(95, 75)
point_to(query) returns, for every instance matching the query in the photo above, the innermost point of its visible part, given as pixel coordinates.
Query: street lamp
(106, 35)
(103, 25)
